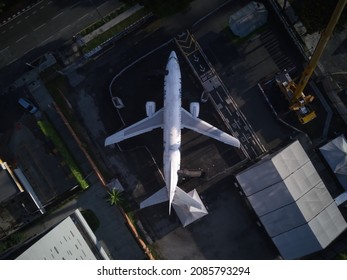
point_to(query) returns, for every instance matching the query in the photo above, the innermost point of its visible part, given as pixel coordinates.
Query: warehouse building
(292, 202)
(71, 239)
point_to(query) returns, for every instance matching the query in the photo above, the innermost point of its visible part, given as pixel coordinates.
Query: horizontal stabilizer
(182, 198)
(156, 198)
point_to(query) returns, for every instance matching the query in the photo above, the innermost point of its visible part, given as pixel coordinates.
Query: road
(49, 21)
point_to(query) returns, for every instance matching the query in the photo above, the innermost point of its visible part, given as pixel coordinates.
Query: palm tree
(116, 197)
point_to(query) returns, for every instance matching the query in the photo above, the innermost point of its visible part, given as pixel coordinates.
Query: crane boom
(307, 73)
(298, 101)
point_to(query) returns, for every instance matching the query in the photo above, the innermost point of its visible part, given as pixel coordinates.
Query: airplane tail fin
(183, 198)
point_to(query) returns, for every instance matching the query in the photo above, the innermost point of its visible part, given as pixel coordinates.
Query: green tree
(116, 197)
(315, 14)
(91, 219)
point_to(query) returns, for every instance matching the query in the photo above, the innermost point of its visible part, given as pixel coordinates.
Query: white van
(28, 105)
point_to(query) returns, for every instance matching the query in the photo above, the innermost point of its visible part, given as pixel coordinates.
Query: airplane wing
(202, 127)
(142, 126)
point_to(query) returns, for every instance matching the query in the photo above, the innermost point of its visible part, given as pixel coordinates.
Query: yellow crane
(298, 101)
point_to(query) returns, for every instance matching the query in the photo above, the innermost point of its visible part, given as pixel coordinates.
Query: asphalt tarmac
(215, 159)
(230, 231)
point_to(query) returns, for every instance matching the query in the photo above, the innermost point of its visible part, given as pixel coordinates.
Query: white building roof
(63, 242)
(292, 202)
(335, 153)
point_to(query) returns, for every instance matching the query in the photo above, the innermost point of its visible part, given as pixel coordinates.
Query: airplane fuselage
(172, 118)
(172, 125)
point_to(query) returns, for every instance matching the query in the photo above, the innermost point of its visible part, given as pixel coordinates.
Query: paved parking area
(215, 235)
(230, 231)
(242, 64)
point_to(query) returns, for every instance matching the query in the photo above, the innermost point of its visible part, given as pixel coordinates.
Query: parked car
(28, 105)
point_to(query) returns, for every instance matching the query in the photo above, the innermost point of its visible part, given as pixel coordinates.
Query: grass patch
(58, 87)
(114, 30)
(167, 7)
(50, 132)
(91, 219)
(10, 241)
(104, 20)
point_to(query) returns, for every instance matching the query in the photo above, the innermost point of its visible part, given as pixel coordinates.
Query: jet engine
(194, 109)
(150, 108)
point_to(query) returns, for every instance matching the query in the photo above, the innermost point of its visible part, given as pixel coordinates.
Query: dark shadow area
(342, 49)
(230, 230)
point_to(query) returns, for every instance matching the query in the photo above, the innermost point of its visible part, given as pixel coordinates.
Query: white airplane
(172, 118)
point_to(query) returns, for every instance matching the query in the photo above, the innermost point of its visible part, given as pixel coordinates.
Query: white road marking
(226, 108)
(102, 5)
(58, 15)
(19, 22)
(42, 25)
(21, 38)
(28, 51)
(26, 17)
(5, 49)
(34, 12)
(86, 15)
(42, 7)
(74, 5)
(49, 38)
(3, 32)
(13, 60)
(66, 27)
(219, 96)
(11, 26)
(49, 2)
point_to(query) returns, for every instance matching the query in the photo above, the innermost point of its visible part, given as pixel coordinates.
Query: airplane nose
(173, 55)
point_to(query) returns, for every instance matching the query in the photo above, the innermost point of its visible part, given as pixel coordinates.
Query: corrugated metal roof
(292, 202)
(64, 242)
(335, 153)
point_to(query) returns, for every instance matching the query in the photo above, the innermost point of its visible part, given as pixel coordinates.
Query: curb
(14, 16)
